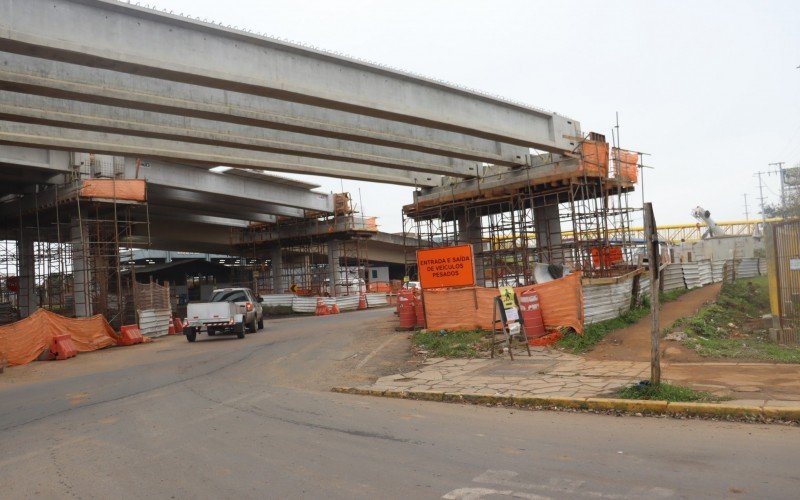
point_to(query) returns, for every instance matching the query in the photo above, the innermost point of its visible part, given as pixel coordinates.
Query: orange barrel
(419, 310)
(405, 309)
(531, 313)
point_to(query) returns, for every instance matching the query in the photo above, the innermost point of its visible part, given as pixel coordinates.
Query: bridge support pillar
(28, 299)
(548, 231)
(81, 270)
(468, 225)
(276, 265)
(333, 266)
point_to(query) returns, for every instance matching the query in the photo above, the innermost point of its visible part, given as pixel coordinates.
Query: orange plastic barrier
(130, 335)
(23, 341)
(121, 189)
(62, 347)
(561, 302)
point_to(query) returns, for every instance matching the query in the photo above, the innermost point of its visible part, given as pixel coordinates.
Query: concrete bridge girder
(35, 76)
(33, 135)
(211, 56)
(102, 118)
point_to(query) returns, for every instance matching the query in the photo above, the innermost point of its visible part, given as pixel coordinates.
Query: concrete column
(81, 271)
(548, 233)
(469, 231)
(276, 265)
(333, 266)
(28, 299)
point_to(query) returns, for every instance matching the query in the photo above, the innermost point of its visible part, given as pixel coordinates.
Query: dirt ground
(633, 343)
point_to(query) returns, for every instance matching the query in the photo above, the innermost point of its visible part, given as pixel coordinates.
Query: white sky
(708, 88)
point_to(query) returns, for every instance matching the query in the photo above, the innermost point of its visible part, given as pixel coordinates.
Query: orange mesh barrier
(561, 301)
(594, 158)
(625, 165)
(120, 189)
(23, 341)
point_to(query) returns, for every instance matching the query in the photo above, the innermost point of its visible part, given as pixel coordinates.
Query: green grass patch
(667, 392)
(672, 295)
(277, 310)
(731, 327)
(594, 333)
(455, 344)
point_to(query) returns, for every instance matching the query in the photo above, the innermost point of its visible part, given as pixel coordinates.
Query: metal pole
(780, 164)
(761, 196)
(651, 237)
(746, 211)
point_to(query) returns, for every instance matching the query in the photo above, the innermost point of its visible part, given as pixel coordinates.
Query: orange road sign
(446, 267)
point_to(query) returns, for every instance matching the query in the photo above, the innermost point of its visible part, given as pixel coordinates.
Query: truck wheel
(251, 328)
(261, 323)
(191, 334)
(240, 331)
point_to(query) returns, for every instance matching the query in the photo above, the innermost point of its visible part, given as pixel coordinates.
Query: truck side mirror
(259, 299)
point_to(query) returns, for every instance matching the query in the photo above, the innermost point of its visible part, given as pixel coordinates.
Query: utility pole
(761, 195)
(651, 240)
(780, 164)
(746, 211)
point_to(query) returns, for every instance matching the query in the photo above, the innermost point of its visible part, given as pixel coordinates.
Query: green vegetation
(667, 392)
(672, 295)
(455, 344)
(594, 333)
(276, 310)
(731, 327)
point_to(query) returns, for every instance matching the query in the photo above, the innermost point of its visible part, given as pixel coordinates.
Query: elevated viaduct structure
(164, 99)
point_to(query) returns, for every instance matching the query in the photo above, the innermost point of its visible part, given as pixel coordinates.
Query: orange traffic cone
(362, 301)
(334, 309)
(322, 310)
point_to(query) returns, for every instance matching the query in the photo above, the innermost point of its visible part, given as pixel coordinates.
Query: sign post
(651, 239)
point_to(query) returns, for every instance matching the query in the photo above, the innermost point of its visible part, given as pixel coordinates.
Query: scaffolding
(568, 220)
(311, 251)
(62, 251)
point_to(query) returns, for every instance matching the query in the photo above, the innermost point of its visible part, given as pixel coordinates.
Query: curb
(627, 406)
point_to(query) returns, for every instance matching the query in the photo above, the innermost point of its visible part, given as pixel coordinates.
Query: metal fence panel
(154, 322)
(275, 300)
(602, 302)
(377, 300)
(672, 277)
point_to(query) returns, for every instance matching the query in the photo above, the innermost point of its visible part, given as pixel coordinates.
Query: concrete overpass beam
(207, 55)
(42, 77)
(26, 108)
(33, 135)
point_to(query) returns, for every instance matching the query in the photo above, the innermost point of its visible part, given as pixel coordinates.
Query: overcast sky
(709, 89)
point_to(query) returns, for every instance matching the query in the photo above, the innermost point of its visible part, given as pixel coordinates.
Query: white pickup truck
(230, 310)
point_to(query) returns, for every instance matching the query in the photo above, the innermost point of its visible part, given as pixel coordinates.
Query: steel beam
(208, 55)
(101, 118)
(33, 135)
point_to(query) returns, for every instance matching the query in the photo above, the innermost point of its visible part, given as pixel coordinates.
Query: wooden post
(651, 237)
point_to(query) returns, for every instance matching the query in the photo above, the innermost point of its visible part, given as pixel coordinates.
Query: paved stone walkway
(552, 373)
(546, 373)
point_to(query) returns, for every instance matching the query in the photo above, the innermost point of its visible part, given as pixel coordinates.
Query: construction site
(109, 159)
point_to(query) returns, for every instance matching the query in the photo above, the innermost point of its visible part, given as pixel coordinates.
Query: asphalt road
(252, 418)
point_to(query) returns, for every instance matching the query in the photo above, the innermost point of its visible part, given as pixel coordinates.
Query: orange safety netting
(594, 158)
(23, 341)
(625, 165)
(561, 301)
(120, 189)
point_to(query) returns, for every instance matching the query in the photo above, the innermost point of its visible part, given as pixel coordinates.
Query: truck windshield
(229, 296)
